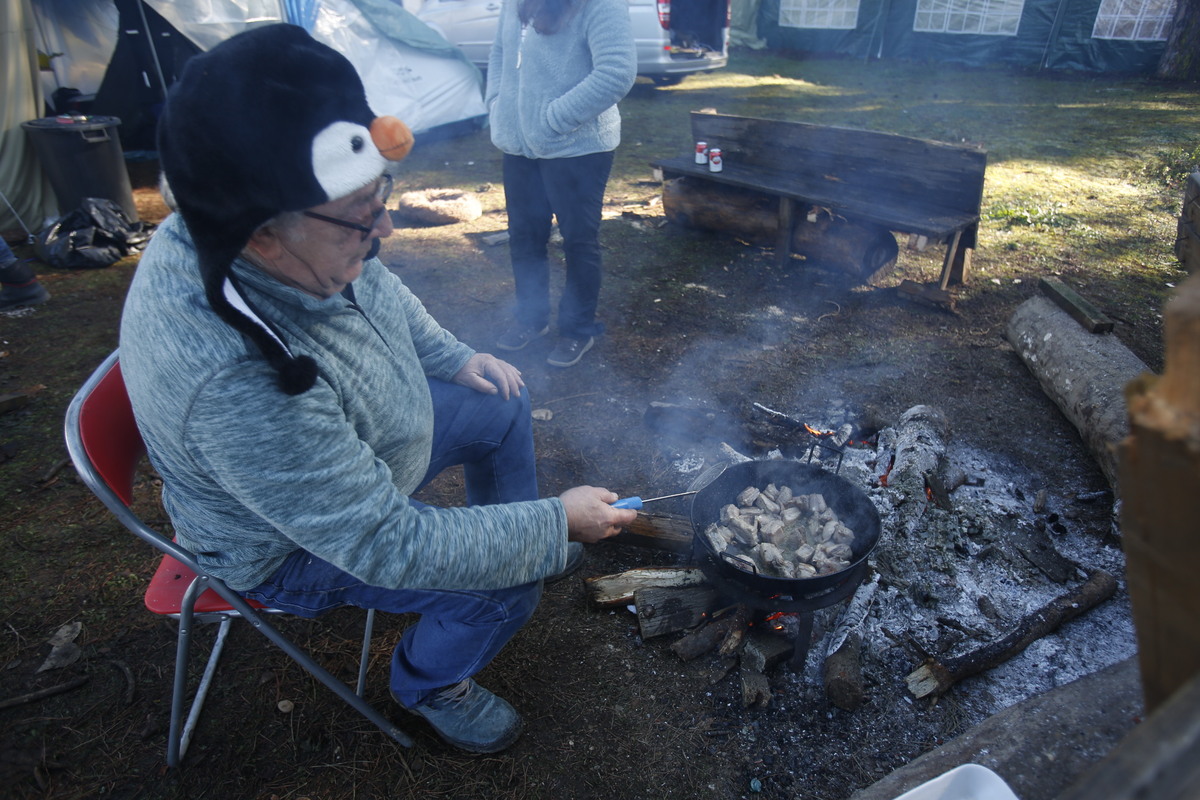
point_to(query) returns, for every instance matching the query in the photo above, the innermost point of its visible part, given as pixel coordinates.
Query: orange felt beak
(392, 138)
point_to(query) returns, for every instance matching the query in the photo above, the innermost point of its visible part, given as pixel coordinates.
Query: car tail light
(729, 14)
(664, 14)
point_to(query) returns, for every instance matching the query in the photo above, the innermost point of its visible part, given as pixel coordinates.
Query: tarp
(100, 49)
(21, 181)
(1051, 34)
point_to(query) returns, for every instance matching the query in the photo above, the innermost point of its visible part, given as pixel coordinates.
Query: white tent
(408, 70)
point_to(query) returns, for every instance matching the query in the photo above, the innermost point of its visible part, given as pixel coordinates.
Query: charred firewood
(936, 676)
(843, 675)
(723, 635)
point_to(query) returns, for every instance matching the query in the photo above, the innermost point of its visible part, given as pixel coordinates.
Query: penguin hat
(268, 121)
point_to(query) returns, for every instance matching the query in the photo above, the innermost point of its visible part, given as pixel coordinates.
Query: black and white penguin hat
(268, 121)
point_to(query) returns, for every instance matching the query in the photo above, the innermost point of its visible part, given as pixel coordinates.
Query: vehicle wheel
(667, 80)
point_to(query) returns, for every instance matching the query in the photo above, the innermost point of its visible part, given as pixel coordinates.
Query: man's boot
(19, 286)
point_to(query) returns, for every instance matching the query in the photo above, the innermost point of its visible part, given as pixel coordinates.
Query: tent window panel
(1137, 20)
(994, 17)
(825, 14)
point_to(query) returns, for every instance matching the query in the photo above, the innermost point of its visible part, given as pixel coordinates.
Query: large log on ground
(864, 250)
(1160, 477)
(1085, 374)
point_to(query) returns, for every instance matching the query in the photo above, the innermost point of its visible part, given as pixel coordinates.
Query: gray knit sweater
(251, 474)
(556, 96)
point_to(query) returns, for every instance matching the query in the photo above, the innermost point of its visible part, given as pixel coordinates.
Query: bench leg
(952, 260)
(957, 264)
(783, 238)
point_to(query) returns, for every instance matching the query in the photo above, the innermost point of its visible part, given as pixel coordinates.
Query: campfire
(953, 572)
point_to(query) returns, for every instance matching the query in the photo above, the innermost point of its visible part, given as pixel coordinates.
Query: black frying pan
(851, 504)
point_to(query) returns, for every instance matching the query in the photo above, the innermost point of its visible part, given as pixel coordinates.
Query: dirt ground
(693, 318)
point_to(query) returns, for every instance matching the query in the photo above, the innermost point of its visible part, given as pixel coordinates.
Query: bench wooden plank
(900, 183)
(860, 203)
(901, 167)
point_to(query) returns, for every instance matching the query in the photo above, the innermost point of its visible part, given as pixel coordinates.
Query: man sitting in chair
(293, 393)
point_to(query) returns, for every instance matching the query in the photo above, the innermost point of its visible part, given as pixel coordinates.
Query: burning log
(936, 676)
(918, 452)
(619, 589)
(1083, 373)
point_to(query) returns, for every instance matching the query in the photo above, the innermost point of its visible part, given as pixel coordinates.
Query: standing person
(293, 393)
(556, 72)
(18, 285)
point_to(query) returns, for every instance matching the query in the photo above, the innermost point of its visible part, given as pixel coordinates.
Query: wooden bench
(915, 186)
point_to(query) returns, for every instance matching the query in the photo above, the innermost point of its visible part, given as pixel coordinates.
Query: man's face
(326, 249)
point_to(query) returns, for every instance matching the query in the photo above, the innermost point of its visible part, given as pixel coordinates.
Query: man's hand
(488, 374)
(590, 515)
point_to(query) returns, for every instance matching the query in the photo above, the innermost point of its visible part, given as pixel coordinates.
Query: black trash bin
(82, 157)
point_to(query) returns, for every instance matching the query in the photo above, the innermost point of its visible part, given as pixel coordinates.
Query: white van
(674, 37)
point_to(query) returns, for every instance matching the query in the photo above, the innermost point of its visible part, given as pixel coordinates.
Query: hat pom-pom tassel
(297, 375)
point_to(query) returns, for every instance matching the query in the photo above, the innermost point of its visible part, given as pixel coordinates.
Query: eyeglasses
(382, 193)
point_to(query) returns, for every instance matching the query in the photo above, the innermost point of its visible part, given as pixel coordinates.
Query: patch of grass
(1033, 214)
(1170, 168)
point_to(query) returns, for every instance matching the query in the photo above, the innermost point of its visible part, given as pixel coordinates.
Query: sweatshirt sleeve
(296, 463)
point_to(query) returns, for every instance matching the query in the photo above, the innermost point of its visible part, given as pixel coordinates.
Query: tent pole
(162, 81)
(1055, 29)
(20, 221)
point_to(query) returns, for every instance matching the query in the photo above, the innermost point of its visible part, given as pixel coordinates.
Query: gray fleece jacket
(251, 474)
(556, 96)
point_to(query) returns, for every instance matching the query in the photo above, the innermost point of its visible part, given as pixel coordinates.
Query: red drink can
(701, 152)
(714, 160)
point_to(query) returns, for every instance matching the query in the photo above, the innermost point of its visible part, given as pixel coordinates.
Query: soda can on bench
(701, 152)
(714, 159)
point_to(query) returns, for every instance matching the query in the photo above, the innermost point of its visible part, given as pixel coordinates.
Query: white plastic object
(967, 782)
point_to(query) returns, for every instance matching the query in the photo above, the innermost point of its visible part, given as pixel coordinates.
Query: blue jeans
(571, 190)
(458, 632)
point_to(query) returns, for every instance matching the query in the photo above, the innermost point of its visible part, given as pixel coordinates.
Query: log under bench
(899, 183)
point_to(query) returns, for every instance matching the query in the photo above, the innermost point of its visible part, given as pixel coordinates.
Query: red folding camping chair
(105, 447)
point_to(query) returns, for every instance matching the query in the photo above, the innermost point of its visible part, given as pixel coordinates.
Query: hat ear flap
(297, 374)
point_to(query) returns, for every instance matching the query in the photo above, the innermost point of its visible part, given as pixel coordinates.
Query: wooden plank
(1091, 318)
(667, 610)
(1160, 758)
(1160, 493)
(902, 167)
(948, 261)
(619, 589)
(783, 236)
(1187, 240)
(853, 202)
(669, 532)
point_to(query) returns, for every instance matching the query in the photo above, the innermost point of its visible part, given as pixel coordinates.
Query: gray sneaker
(471, 718)
(518, 335)
(568, 351)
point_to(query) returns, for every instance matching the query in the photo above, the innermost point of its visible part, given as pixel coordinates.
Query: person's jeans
(571, 190)
(458, 632)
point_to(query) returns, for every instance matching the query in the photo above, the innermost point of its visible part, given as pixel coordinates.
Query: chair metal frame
(105, 447)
